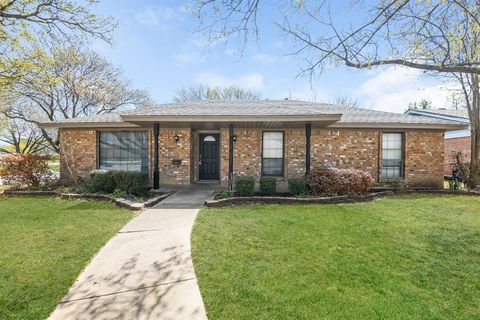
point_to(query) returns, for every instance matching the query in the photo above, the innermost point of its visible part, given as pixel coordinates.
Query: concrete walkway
(145, 271)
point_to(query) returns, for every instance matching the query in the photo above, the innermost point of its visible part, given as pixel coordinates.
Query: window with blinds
(392, 155)
(272, 156)
(125, 150)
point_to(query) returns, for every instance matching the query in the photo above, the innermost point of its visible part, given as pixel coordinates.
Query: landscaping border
(328, 200)
(121, 202)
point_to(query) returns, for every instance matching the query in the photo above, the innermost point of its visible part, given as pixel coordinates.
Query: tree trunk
(474, 179)
(475, 159)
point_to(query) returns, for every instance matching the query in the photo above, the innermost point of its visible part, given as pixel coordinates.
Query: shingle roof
(263, 108)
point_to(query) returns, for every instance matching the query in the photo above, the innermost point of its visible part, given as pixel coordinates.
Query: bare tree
(19, 136)
(68, 83)
(346, 101)
(203, 92)
(438, 37)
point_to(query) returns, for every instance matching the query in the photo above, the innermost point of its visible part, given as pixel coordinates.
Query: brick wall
(78, 153)
(341, 148)
(454, 145)
(295, 152)
(169, 150)
(346, 148)
(424, 158)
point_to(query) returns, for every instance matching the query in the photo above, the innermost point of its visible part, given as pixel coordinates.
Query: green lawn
(45, 244)
(405, 257)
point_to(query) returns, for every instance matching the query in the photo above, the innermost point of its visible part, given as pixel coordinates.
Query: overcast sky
(157, 50)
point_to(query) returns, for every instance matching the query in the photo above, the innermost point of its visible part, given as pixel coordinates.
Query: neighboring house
(457, 140)
(210, 141)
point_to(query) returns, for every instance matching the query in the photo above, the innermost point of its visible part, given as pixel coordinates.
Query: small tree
(423, 104)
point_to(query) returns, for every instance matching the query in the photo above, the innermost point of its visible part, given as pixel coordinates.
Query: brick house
(210, 141)
(456, 140)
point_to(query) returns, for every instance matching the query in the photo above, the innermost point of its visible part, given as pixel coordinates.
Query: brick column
(156, 171)
(308, 133)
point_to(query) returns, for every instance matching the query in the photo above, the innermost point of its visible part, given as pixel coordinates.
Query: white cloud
(393, 88)
(252, 81)
(159, 18)
(264, 58)
(187, 58)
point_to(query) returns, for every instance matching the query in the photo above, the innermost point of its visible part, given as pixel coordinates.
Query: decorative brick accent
(78, 153)
(424, 158)
(169, 150)
(454, 145)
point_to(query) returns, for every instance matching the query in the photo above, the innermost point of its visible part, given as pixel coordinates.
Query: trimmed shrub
(129, 182)
(268, 185)
(29, 169)
(333, 182)
(297, 186)
(245, 186)
(135, 183)
(100, 181)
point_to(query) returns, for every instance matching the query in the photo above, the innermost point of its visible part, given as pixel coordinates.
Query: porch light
(234, 138)
(177, 138)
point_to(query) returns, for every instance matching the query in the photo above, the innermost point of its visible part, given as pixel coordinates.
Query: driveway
(145, 271)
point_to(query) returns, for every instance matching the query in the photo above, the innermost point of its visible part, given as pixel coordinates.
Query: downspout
(156, 171)
(230, 157)
(308, 133)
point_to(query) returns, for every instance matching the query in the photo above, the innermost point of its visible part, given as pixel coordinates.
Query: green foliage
(423, 104)
(118, 193)
(297, 186)
(100, 181)
(133, 183)
(245, 186)
(454, 185)
(268, 185)
(225, 194)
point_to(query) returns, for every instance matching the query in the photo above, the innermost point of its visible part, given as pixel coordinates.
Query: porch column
(308, 133)
(156, 171)
(230, 156)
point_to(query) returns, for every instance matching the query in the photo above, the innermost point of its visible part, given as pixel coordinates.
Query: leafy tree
(203, 92)
(23, 23)
(423, 104)
(438, 37)
(69, 82)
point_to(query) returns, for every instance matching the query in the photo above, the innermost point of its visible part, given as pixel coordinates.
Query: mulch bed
(121, 202)
(282, 199)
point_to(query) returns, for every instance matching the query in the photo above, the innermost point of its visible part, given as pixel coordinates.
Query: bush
(100, 181)
(332, 182)
(134, 183)
(297, 186)
(245, 186)
(25, 169)
(268, 185)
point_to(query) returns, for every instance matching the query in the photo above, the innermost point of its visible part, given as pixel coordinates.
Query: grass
(405, 257)
(45, 244)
